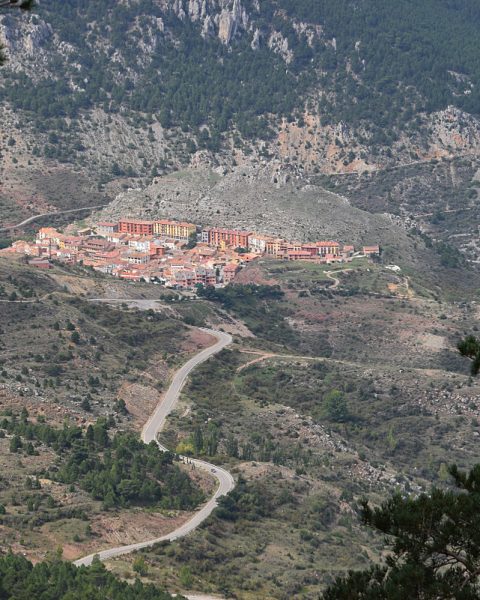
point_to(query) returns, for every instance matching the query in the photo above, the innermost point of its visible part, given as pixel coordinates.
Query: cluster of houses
(173, 253)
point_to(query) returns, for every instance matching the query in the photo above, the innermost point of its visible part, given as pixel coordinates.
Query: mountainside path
(50, 214)
(149, 434)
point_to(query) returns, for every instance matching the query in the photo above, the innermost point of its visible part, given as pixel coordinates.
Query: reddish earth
(196, 340)
(255, 274)
(126, 527)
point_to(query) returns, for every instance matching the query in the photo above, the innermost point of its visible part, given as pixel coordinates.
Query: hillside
(65, 364)
(336, 394)
(137, 88)
(339, 377)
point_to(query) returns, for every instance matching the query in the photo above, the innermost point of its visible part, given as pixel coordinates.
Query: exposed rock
(25, 40)
(208, 27)
(256, 40)
(195, 9)
(231, 20)
(177, 8)
(279, 44)
(270, 199)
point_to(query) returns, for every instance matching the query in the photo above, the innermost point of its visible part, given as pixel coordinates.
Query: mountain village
(175, 254)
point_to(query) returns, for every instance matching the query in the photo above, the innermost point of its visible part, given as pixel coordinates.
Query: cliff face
(126, 104)
(25, 41)
(222, 18)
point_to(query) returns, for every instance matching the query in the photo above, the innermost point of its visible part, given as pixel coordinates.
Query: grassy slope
(42, 369)
(411, 406)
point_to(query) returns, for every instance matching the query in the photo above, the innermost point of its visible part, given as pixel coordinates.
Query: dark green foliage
(121, 407)
(122, 471)
(246, 501)
(192, 240)
(57, 580)
(128, 472)
(188, 82)
(335, 405)
(234, 295)
(259, 306)
(470, 347)
(435, 540)
(392, 62)
(450, 257)
(405, 58)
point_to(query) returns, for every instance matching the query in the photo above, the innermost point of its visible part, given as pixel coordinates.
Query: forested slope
(245, 65)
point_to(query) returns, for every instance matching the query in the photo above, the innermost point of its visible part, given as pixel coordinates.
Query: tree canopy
(381, 64)
(470, 347)
(58, 580)
(120, 471)
(435, 546)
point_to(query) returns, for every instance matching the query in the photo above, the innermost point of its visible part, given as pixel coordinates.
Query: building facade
(135, 227)
(177, 230)
(328, 248)
(228, 237)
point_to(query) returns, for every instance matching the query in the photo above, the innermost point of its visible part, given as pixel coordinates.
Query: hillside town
(172, 253)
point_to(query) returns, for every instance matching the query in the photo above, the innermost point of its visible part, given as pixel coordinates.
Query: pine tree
(435, 546)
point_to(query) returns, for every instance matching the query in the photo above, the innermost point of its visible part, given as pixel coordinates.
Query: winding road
(50, 214)
(149, 433)
(336, 280)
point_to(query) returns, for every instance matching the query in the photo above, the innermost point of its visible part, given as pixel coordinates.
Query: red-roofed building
(325, 248)
(300, 255)
(227, 237)
(178, 230)
(371, 250)
(311, 249)
(135, 227)
(229, 272)
(40, 263)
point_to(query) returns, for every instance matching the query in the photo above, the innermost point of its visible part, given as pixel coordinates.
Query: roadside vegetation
(120, 471)
(76, 379)
(57, 580)
(74, 353)
(260, 307)
(434, 546)
(373, 399)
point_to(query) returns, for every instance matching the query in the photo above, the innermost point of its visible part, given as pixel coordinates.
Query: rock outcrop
(224, 18)
(25, 42)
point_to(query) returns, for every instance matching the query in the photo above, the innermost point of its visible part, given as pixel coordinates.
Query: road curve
(149, 433)
(50, 214)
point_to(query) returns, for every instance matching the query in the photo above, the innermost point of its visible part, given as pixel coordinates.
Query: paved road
(149, 433)
(50, 214)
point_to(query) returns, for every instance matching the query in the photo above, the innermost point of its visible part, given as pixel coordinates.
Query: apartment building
(371, 250)
(178, 230)
(273, 246)
(328, 248)
(232, 238)
(229, 272)
(135, 227)
(106, 228)
(258, 243)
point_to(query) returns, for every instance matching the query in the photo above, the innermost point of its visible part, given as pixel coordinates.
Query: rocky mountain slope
(235, 76)
(128, 92)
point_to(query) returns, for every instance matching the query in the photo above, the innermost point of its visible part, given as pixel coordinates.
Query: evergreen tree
(470, 347)
(435, 546)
